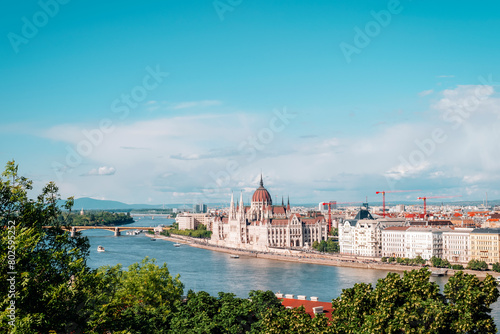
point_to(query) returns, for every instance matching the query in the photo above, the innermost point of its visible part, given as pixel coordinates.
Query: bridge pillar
(73, 231)
(117, 232)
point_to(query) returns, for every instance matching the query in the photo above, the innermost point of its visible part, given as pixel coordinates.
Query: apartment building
(425, 242)
(456, 245)
(484, 244)
(393, 241)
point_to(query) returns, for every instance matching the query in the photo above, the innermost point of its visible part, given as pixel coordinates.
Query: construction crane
(426, 197)
(329, 213)
(390, 191)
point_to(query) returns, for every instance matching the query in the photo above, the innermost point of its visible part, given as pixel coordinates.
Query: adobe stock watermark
(249, 149)
(455, 114)
(30, 28)
(11, 274)
(223, 6)
(121, 107)
(373, 28)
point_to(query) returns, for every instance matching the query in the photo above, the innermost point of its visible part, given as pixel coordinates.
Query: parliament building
(263, 226)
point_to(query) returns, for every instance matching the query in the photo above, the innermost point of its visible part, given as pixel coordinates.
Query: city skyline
(170, 102)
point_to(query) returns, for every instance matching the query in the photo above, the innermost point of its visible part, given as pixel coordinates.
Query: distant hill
(86, 203)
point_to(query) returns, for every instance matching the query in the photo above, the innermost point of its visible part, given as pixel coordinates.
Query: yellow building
(484, 245)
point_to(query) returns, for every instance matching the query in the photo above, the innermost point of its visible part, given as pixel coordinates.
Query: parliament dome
(261, 195)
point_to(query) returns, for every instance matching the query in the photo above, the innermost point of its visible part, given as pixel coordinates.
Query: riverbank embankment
(316, 258)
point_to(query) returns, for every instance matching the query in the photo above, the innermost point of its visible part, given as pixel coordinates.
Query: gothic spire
(261, 182)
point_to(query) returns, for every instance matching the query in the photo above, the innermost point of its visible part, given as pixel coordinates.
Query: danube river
(205, 270)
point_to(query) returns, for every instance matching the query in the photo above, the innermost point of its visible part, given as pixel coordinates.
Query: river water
(205, 270)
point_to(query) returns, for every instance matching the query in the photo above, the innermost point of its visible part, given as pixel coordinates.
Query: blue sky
(187, 101)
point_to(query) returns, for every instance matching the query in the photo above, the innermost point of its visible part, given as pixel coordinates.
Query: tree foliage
(477, 265)
(226, 313)
(141, 299)
(328, 246)
(200, 232)
(52, 282)
(96, 218)
(439, 262)
(413, 304)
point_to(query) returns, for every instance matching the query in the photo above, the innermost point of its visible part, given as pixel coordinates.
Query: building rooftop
(308, 305)
(486, 231)
(396, 228)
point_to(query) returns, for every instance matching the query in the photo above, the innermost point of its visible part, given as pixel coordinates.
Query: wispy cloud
(101, 171)
(426, 92)
(196, 104)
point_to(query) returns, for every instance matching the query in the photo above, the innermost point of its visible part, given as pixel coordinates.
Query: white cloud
(187, 155)
(104, 170)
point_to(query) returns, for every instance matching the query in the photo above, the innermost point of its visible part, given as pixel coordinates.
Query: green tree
(53, 284)
(295, 321)
(141, 299)
(477, 265)
(496, 267)
(203, 313)
(413, 304)
(469, 303)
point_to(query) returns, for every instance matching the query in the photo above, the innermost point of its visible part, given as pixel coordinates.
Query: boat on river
(100, 249)
(234, 256)
(177, 244)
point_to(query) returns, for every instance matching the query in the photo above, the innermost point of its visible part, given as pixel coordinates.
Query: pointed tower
(232, 209)
(288, 204)
(282, 202)
(241, 207)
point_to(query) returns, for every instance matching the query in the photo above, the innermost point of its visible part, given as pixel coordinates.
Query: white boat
(498, 280)
(100, 249)
(234, 256)
(177, 244)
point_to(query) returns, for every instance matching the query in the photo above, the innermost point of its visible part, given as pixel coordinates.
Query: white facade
(456, 245)
(189, 221)
(394, 242)
(360, 237)
(424, 242)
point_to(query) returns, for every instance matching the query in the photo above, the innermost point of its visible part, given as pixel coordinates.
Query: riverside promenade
(312, 257)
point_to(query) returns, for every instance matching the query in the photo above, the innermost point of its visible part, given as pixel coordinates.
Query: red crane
(426, 197)
(329, 213)
(390, 191)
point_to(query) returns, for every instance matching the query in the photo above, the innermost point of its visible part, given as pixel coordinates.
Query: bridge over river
(116, 229)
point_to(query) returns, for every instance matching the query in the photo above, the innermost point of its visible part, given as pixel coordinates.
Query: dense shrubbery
(91, 218)
(440, 263)
(477, 265)
(329, 246)
(200, 232)
(457, 267)
(418, 261)
(496, 267)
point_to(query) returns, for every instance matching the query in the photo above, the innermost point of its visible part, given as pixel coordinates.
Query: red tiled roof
(308, 305)
(279, 221)
(311, 221)
(278, 210)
